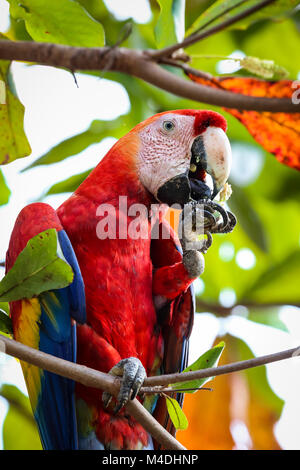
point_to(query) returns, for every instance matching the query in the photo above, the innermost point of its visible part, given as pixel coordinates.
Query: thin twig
(220, 15)
(158, 390)
(193, 38)
(220, 370)
(186, 68)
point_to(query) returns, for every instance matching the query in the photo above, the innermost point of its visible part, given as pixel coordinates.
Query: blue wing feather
(76, 289)
(55, 410)
(48, 323)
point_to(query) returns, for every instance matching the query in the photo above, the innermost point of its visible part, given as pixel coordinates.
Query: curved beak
(210, 155)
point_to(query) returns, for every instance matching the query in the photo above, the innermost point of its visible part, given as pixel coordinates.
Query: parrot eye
(168, 126)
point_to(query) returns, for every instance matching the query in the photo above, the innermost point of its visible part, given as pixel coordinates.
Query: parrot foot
(203, 217)
(191, 226)
(133, 375)
(192, 218)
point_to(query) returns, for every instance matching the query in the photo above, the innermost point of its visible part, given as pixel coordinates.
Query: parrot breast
(121, 318)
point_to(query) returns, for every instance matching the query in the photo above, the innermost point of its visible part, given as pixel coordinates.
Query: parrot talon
(230, 225)
(133, 375)
(208, 242)
(118, 407)
(210, 220)
(232, 221)
(106, 399)
(217, 207)
(229, 219)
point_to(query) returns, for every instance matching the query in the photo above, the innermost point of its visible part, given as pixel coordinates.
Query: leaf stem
(212, 56)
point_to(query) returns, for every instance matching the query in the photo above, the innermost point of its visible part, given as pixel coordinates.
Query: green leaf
(176, 414)
(4, 190)
(169, 28)
(247, 217)
(4, 306)
(13, 141)
(97, 131)
(69, 185)
(209, 359)
(5, 323)
(37, 269)
(58, 21)
(19, 417)
(222, 10)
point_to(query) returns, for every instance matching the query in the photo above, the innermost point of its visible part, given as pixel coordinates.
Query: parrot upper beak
(210, 154)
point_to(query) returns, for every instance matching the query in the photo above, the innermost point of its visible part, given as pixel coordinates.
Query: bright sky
(57, 109)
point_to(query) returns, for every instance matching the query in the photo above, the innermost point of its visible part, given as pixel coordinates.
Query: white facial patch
(165, 149)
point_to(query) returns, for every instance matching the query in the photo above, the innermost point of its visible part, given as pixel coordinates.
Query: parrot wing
(176, 319)
(47, 323)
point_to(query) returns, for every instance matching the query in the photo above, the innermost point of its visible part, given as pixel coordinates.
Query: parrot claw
(222, 223)
(106, 399)
(133, 375)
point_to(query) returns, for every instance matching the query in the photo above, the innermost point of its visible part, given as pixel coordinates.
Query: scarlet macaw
(130, 307)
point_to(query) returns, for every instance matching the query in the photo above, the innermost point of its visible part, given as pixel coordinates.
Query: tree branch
(141, 65)
(90, 378)
(93, 378)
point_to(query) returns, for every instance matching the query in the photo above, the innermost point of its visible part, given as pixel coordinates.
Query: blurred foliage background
(251, 273)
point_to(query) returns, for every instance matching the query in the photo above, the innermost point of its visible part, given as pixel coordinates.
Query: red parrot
(129, 310)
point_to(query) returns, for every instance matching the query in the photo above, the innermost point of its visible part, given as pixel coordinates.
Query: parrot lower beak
(176, 190)
(210, 155)
(181, 189)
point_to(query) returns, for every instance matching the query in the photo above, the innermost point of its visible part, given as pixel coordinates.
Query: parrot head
(184, 155)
